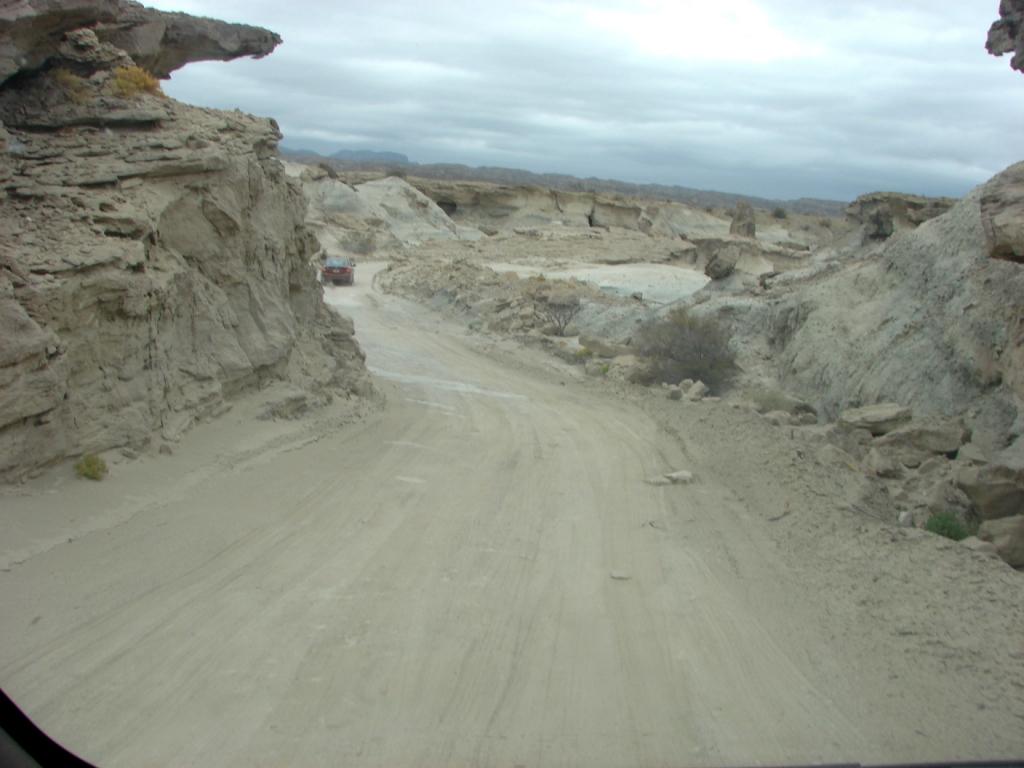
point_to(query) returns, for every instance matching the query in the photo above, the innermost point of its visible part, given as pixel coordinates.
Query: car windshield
(674, 415)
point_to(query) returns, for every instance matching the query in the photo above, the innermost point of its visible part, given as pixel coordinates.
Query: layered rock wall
(154, 263)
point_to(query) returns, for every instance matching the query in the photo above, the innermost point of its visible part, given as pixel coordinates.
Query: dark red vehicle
(339, 271)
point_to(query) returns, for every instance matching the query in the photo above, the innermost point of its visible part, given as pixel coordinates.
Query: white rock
(696, 391)
(877, 419)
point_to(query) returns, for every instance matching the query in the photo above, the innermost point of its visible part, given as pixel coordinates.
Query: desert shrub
(683, 346)
(946, 524)
(559, 310)
(129, 82)
(91, 466)
(583, 353)
(71, 85)
(826, 223)
(779, 213)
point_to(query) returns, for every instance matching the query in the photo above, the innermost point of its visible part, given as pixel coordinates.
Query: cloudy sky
(777, 98)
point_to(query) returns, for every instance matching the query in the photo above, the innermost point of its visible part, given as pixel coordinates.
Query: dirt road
(475, 575)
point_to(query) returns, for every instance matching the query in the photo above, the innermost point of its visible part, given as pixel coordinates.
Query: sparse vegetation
(71, 85)
(946, 524)
(584, 354)
(682, 345)
(780, 213)
(91, 466)
(560, 310)
(129, 82)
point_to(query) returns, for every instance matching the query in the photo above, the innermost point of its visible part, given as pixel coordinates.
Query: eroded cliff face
(154, 263)
(931, 319)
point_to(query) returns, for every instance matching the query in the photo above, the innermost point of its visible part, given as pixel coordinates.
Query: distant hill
(368, 156)
(702, 198)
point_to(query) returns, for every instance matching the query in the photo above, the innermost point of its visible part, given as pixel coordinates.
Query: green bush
(91, 466)
(946, 524)
(682, 346)
(780, 213)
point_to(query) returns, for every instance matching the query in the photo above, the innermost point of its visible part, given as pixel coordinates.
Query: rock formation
(33, 32)
(153, 257)
(380, 216)
(930, 321)
(881, 214)
(1006, 35)
(743, 221)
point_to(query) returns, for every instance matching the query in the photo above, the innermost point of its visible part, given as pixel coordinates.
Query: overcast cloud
(777, 98)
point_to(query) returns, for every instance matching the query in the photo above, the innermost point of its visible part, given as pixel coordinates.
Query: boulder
(996, 491)
(934, 436)
(697, 391)
(675, 393)
(1002, 214)
(1006, 35)
(1007, 535)
(972, 453)
(945, 496)
(882, 465)
(877, 419)
(914, 443)
(743, 223)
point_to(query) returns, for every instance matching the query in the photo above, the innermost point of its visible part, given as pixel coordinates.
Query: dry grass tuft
(129, 82)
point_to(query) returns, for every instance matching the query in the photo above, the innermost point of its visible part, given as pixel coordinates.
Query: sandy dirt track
(477, 574)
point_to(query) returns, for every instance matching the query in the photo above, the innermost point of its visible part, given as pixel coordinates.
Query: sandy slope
(478, 575)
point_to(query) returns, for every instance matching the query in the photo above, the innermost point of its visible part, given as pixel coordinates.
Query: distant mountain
(368, 156)
(384, 161)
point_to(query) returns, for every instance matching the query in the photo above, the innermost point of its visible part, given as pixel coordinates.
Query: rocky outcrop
(33, 32)
(154, 263)
(376, 217)
(1006, 35)
(928, 320)
(493, 207)
(723, 257)
(1002, 214)
(743, 223)
(881, 214)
